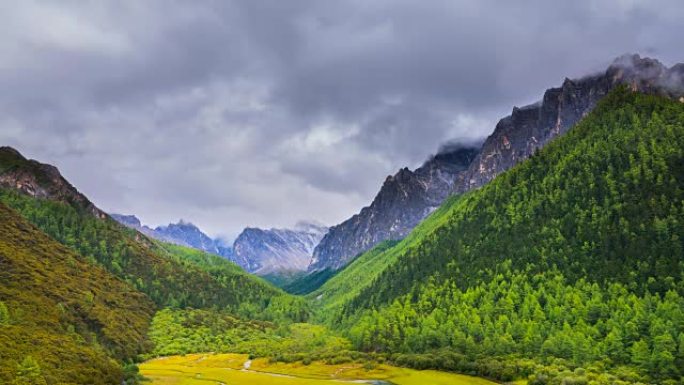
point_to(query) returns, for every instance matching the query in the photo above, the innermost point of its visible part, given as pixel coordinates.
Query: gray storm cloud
(246, 113)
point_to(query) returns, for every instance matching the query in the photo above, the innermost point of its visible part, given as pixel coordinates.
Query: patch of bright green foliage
(574, 258)
(309, 282)
(204, 330)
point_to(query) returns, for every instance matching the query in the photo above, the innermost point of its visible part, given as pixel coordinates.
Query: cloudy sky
(263, 113)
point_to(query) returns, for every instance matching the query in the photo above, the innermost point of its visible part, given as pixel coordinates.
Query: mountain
(182, 233)
(406, 198)
(170, 276)
(62, 319)
(40, 181)
(277, 250)
(572, 259)
(403, 201)
(517, 136)
(259, 251)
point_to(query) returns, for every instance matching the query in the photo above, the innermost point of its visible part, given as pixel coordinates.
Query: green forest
(575, 254)
(566, 269)
(63, 320)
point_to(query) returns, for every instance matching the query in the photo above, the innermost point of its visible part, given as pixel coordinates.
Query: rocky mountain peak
(405, 199)
(277, 250)
(40, 180)
(127, 220)
(527, 129)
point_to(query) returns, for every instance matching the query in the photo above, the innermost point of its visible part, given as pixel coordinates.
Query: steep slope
(403, 201)
(515, 138)
(40, 181)
(576, 253)
(167, 277)
(70, 321)
(277, 250)
(529, 128)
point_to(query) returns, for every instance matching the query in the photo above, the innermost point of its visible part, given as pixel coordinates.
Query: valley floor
(237, 369)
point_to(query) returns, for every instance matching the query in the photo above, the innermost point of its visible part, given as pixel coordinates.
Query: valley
(561, 263)
(203, 369)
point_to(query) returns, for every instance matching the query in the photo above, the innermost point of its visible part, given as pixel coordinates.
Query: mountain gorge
(170, 276)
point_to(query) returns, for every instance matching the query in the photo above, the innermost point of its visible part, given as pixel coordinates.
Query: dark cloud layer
(261, 113)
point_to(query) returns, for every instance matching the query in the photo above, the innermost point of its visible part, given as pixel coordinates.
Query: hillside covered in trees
(572, 259)
(63, 320)
(170, 275)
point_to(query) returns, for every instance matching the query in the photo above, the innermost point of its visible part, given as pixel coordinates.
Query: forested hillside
(170, 276)
(65, 316)
(574, 257)
(62, 320)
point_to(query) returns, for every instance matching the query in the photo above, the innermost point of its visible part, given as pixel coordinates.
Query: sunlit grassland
(202, 369)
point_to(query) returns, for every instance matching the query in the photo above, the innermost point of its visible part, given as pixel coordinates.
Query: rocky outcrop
(277, 250)
(40, 180)
(529, 128)
(404, 200)
(187, 234)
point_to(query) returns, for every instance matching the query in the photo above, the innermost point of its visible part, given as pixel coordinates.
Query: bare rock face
(407, 197)
(404, 200)
(40, 180)
(529, 128)
(256, 250)
(263, 251)
(182, 233)
(187, 234)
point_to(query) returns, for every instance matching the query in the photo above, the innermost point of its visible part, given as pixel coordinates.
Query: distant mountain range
(409, 196)
(259, 251)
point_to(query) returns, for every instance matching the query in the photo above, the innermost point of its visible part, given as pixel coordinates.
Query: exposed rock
(40, 180)
(255, 250)
(527, 129)
(277, 250)
(403, 201)
(187, 234)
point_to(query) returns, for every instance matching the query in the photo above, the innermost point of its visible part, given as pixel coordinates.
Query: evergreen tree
(29, 373)
(4, 314)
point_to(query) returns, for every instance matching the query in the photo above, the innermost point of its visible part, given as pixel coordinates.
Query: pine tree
(29, 373)
(4, 314)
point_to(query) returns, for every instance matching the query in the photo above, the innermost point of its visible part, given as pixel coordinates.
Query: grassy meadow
(203, 369)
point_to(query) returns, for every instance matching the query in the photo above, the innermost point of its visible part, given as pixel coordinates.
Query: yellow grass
(205, 369)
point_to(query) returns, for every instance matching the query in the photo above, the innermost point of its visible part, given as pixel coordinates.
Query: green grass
(202, 369)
